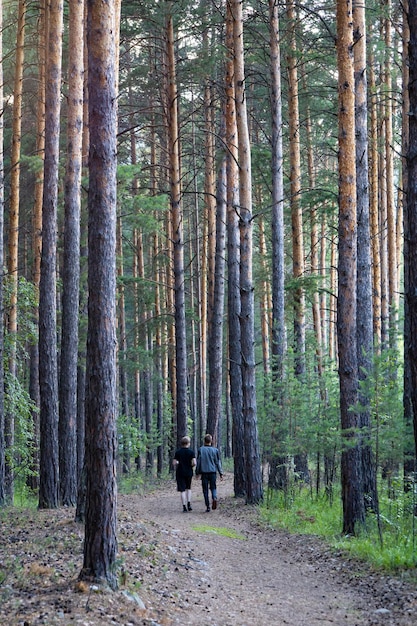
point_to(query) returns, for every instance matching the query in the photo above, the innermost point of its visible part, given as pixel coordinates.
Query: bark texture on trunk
(353, 506)
(100, 543)
(254, 492)
(48, 362)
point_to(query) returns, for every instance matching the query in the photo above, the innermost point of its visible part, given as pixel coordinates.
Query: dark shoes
(190, 508)
(208, 509)
(184, 508)
(214, 505)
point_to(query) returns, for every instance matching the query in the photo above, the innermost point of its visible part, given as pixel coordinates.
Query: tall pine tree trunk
(254, 491)
(2, 439)
(177, 237)
(215, 344)
(71, 262)
(37, 238)
(13, 243)
(352, 497)
(233, 264)
(410, 221)
(373, 210)
(100, 543)
(278, 477)
(48, 365)
(364, 281)
(295, 197)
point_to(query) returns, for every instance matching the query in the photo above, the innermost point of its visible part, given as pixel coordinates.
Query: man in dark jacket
(208, 464)
(184, 462)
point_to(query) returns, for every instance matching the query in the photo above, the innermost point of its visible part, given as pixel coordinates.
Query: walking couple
(207, 465)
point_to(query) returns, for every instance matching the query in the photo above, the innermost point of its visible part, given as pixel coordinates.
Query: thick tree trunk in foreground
(100, 544)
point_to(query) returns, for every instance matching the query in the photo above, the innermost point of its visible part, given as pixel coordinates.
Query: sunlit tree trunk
(71, 262)
(265, 299)
(352, 497)
(209, 244)
(48, 365)
(295, 197)
(373, 209)
(254, 492)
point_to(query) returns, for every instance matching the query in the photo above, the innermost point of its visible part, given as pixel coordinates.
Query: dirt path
(207, 569)
(228, 571)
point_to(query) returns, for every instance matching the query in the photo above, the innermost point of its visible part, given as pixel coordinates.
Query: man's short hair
(185, 441)
(208, 439)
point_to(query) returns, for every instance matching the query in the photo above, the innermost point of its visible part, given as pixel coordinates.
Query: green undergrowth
(387, 542)
(222, 531)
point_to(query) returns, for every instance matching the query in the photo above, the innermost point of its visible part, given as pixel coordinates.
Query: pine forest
(209, 225)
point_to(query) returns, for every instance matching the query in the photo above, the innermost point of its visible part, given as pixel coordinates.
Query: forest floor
(223, 568)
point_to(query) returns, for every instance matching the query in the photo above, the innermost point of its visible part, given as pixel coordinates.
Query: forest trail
(221, 568)
(229, 571)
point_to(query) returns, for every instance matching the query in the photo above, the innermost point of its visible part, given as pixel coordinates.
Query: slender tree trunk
(265, 299)
(333, 298)
(277, 216)
(100, 543)
(122, 349)
(48, 365)
(233, 264)
(409, 460)
(177, 233)
(373, 209)
(71, 262)
(352, 497)
(37, 238)
(207, 280)
(2, 438)
(364, 322)
(254, 492)
(393, 293)
(278, 462)
(13, 243)
(137, 392)
(215, 344)
(295, 198)
(410, 221)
